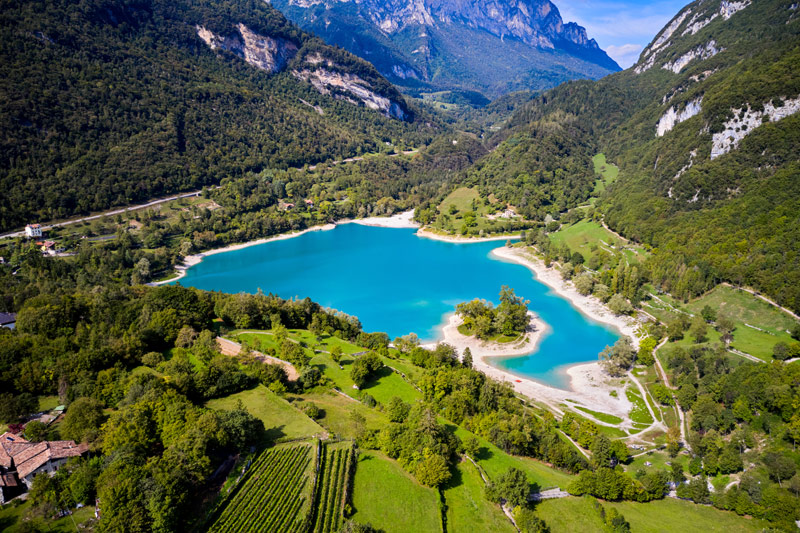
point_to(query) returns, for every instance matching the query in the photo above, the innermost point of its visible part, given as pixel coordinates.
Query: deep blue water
(396, 282)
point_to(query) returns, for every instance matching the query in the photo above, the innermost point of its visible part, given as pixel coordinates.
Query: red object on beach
(518, 380)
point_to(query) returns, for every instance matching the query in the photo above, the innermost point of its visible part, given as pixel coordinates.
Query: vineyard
(275, 495)
(333, 486)
(278, 488)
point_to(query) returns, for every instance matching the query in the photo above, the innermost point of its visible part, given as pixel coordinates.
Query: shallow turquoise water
(396, 282)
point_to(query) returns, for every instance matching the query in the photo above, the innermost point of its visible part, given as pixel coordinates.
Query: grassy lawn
(607, 172)
(588, 237)
(743, 308)
(280, 419)
(639, 413)
(461, 201)
(391, 499)
(603, 417)
(48, 403)
(678, 515)
(467, 506)
(337, 409)
(382, 387)
(12, 515)
(658, 460)
(495, 462)
(578, 514)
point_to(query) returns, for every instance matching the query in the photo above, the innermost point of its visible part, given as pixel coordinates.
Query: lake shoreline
(400, 220)
(589, 385)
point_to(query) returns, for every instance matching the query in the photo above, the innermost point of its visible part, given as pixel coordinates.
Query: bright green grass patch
(462, 200)
(639, 413)
(281, 420)
(13, 515)
(337, 413)
(383, 386)
(578, 514)
(603, 417)
(495, 462)
(588, 237)
(678, 515)
(658, 460)
(608, 173)
(48, 403)
(391, 499)
(467, 506)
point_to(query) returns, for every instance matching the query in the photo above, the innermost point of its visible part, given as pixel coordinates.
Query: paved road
(161, 201)
(106, 213)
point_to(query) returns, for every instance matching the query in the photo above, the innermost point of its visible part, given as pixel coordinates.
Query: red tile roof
(27, 456)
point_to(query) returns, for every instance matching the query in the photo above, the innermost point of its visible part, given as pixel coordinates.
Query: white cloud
(625, 55)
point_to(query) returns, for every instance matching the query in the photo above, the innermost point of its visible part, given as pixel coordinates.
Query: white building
(33, 230)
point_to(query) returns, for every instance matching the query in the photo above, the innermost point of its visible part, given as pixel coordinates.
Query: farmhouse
(33, 230)
(21, 460)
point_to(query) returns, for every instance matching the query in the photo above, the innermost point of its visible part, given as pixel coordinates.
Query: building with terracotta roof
(21, 461)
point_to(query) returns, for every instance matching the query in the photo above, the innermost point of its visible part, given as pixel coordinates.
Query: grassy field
(390, 499)
(603, 417)
(467, 506)
(495, 462)
(743, 308)
(608, 173)
(337, 409)
(639, 413)
(588, 238)
(12, 515)
(280, 419)
(577, 514)
(465, 200)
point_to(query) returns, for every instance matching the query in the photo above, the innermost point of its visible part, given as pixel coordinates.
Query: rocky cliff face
(535, 22)
(491, 46)
(273, 55)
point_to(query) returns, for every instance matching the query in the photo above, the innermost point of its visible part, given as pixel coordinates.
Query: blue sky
(623, 27)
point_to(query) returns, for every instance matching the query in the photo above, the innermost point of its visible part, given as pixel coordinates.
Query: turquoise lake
(396, 282)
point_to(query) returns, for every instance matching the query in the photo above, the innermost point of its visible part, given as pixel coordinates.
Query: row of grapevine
(273, 495)
(333, 486)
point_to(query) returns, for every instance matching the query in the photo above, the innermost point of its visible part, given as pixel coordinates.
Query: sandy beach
(456, 239)
(589, 306)
(400, 220)
(591, 387)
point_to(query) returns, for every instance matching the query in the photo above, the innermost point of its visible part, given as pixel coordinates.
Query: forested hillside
(109, 103)
(704, 132)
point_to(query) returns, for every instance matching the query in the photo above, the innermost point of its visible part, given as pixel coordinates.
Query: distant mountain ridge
(485, 45)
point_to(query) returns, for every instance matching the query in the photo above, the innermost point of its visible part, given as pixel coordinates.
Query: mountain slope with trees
(705, 133)
(109, 103)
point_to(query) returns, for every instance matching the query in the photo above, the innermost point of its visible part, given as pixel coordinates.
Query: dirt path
(665, 379)
(231, 348)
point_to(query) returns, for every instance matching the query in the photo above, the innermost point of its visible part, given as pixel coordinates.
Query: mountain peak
(425, 40)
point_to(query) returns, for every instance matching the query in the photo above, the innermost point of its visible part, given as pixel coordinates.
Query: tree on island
(485, 321)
